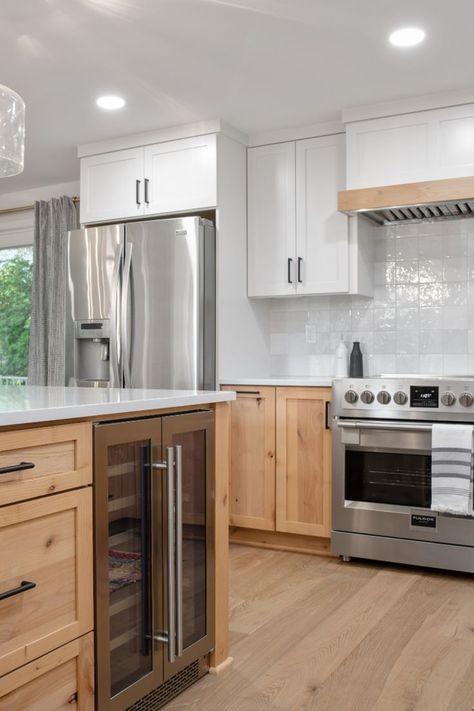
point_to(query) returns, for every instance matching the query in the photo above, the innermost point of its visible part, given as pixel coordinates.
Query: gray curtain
(53, 219)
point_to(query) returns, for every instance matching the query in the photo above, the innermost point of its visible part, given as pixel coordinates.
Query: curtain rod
(25, 208)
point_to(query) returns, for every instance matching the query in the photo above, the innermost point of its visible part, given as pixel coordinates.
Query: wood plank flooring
(312, 633)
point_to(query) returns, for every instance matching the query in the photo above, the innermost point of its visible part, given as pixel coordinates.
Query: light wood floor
(313, 633)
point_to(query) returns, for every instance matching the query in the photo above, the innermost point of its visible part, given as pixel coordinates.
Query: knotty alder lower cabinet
(280, 484)
(61, 679)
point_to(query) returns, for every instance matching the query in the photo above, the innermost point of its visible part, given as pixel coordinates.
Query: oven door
(382, 482)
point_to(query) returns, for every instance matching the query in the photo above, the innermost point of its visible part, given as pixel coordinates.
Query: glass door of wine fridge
(188, 536)
(128, 567)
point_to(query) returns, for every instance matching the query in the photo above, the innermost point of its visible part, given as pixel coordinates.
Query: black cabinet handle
(290, 262)
(247, 392)
(17, 467)
(23, 587)
(300, 261)
(326, 415)
(147, 181)
(137, 191)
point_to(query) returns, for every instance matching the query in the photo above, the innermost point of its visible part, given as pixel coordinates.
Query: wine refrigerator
(154, 565)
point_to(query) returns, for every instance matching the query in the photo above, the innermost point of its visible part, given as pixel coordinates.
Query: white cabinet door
(424, 145)
(112, 186)
(181, 175)
(271, 220)
(322, 234)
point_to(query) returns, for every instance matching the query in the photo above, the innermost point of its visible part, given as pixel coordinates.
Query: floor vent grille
(157, 698)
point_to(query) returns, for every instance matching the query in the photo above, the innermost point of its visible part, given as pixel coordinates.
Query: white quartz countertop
(20, 404)
(282, 382)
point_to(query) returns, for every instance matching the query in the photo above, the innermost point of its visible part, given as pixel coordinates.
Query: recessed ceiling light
(110, 103)
(407, 37)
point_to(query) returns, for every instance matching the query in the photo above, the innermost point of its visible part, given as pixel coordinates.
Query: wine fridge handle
(179, 549)
(171, 556)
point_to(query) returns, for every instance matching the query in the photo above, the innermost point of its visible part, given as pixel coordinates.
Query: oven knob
(351, 396)
(466, 399)
(448, 399)
(367, 397)
(400, 398)
(384, 397)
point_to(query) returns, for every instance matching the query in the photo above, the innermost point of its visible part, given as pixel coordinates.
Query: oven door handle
(367, 425)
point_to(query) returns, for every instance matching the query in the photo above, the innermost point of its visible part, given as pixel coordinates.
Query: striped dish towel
(451, 469)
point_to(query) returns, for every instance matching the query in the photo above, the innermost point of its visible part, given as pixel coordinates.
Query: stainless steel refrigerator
(141, 305)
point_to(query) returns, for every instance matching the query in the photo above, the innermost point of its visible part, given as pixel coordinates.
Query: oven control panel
(373, 395)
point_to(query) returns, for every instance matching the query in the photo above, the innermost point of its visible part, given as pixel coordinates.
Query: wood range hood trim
(447, 199)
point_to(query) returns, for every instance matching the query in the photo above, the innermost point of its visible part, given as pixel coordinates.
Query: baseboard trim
(280, 541)
(221, 667)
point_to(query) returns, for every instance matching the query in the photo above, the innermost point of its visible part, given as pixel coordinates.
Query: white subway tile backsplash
(408, 343)
(421, 318)
(455, 269)
(431, 342)
(431, 317)
(406, 247)
(385, 319)
(455, 341)
(430, 270)
(455, 364)
(431, 364)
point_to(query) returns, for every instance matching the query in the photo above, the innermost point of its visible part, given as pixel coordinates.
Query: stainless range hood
(448, 199)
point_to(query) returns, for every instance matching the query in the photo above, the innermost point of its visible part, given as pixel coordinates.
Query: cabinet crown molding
(161, 135)
(413, 104)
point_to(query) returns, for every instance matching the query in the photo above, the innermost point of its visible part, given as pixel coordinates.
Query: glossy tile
(421, 318)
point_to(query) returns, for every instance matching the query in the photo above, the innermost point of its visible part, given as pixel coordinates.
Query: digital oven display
(424, 396)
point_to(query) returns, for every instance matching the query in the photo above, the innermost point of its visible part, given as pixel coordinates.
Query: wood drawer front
(62, 458)
(62, 679)
(48, 542)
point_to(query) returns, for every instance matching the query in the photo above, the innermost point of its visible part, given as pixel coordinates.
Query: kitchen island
(66, 453)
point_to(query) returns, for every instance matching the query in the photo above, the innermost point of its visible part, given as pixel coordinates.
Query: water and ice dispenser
(92, 352)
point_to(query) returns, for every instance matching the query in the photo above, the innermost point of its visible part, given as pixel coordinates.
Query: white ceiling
(258, 64)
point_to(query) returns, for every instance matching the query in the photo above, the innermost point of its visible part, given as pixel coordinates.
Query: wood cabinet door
(322, 233)
(303, 463)
(181, 175)
(45, 575)
(112, 186)
(61, 680)
(271, 220)
(252, 474)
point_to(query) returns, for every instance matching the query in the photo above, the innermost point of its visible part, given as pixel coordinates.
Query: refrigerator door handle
(124, 320)
(179, 549)
(115, 321)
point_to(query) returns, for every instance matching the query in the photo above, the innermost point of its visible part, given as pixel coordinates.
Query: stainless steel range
(382, 470)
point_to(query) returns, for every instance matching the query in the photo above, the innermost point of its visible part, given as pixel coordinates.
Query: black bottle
(356, 367)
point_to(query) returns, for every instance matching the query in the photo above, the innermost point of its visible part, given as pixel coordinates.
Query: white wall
(243, 337)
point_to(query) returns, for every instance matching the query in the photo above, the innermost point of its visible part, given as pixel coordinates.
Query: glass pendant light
(12, 132)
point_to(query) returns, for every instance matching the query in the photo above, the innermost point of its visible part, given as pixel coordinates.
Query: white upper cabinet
(322, 243)
(271, 220)
(112, 185)
(180, 175)
(298, 243)
(162, 178)
(412, 147)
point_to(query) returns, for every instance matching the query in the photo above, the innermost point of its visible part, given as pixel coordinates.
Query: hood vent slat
(448, 199)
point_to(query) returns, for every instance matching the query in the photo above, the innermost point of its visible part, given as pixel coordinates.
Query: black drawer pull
(247, 392)
(17, 467)
(23, 587)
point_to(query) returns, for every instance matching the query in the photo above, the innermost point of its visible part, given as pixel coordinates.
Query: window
(16, 265)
